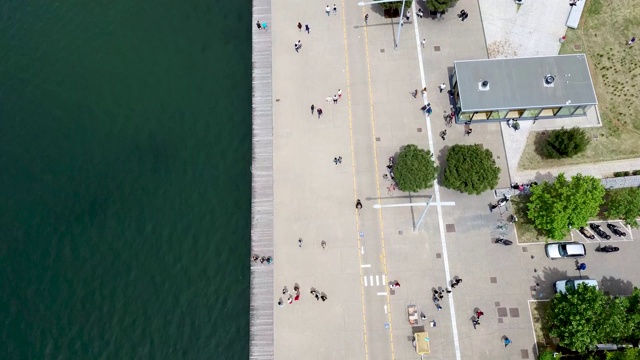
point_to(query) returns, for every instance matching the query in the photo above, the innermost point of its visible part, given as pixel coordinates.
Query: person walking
(506, 341)
(424, 41)
(442, 87)
(479, 314)
(300, 242)
(366, 19)
(335, 9)
(307, 28)
(358, 204)
(258, 25)
(264, 25)
(335, 98)
(323, 244)
(280, 303)
(633, 39)
(475, 323)
(299, 26)
(313, 107)
(468, 132)
(339, 94)
(319, 113)
(296, 46)
(443, 134)
(328, 10)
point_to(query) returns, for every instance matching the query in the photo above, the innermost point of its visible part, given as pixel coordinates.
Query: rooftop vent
(549, 79)
(483, 85)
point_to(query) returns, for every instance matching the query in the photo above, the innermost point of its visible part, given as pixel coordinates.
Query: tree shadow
(539, 141)
(544, 280)
(442, 163)
(616, 287)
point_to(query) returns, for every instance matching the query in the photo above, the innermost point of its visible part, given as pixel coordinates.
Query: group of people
(318, 295)
(264, 259)
(463, 15)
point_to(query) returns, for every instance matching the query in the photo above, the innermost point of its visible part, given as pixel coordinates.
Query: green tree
(565, 143)
(439, 5)
(470, 169)
(586, 316)
(633, 313)
(627, 354)
(555, 207)
(397, 5)
(624, 204)
(414, 169)
(548, 355)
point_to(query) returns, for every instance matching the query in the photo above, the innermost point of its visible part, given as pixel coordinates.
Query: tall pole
(400, 24)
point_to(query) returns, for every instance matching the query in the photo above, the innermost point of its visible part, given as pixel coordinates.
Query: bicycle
(391, 189)
(448, 119)
(502, 227)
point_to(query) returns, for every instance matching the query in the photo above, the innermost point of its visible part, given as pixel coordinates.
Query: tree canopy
(470, 169)
(565, 143)
(414, 169)
(555, 207)
(624, 204)
(586, 316)
(396, 5)
(439, 5)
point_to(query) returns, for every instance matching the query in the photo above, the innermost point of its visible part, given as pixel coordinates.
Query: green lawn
(603, 33)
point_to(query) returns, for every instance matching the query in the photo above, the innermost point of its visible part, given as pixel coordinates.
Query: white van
(562, 285)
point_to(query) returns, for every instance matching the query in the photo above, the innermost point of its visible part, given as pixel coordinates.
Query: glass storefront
(515, 114)
(531, 113)
(549, 112)
(567, 110)
(465, 116)
(581, 110)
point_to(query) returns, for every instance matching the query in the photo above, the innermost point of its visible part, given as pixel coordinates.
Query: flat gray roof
(519, 83)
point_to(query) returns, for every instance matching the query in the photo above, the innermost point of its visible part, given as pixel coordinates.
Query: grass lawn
(604, 30)
(539, 311)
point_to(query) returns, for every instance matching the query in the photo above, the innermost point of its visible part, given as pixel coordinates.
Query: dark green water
(125, 146)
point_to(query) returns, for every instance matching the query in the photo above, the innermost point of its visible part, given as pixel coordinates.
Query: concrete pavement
(314, 198)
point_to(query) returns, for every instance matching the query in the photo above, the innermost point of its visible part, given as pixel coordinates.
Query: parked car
(563, 285)
(560, 250)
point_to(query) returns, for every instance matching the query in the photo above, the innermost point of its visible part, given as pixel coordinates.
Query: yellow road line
(383, 255)
(355, 183)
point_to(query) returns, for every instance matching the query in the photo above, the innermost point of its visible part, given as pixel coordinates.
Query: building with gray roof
(522, 88)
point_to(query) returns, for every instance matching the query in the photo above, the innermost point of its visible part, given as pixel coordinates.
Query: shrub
(470, 169)
(565, 143)
(636, 172)
(396, 5)
(618, 174)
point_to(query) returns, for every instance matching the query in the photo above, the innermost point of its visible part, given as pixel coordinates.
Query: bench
(574, 15)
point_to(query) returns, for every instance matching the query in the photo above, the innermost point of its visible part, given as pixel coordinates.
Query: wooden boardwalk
(261, 340)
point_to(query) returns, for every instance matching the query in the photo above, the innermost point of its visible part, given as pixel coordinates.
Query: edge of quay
(261, 326)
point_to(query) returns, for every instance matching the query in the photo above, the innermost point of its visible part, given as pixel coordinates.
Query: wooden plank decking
(261, 338)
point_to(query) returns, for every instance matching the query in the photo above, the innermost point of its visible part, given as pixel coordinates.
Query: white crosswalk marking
(380, 280)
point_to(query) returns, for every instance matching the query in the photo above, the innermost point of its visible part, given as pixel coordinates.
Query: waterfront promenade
(365, 250)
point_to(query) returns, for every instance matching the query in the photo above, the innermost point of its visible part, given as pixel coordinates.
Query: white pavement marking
(382, 293)
(365, 281)
(365, 265)
(436, 189)
(383, 281)
(371, 279)
(444, 203)
(377, 280)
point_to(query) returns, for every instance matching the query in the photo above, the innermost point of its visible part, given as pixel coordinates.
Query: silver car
(563, 285)
(559, 250)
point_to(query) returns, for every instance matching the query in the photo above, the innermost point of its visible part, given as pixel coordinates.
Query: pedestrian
(339, 159)
(296, 288)
(468, 132)
(479, 314)
(408, 16)
(258, 25)
(319, 113)
(442, 87)
(280, 303)
(307, 28)
(429, 110)
(435, 292)
(297, 296)
(475, 322)
(300, 242)
(448, 291)
(317, 296)
(366, 19)
(462, 13)
(290, 299)
(323, 244)
(339, 94)
(423, 316)
(264, 25)
(509, 123)
(313, 291)
(323, 297)
(255, 257)
(506, 341)
(438, 306)
(420, 13)
(424, 91)
(285, 290)
(443, 134)
(299, 26)
(335, 9)
(464, 17)
(415, 94)
(358, 204)
(335, 98)
(335, 160)
(423, 42)
(313, 107)
(633, 39)
(262, 260)
(269, 260)
(328, 10)
(458, 281)
(298, 45)
(453, 285)
(516, 125)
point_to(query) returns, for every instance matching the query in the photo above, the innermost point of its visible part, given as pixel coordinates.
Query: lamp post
(400, 24)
